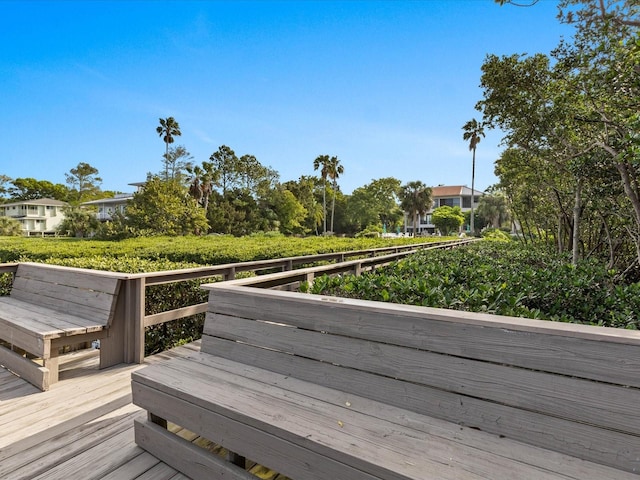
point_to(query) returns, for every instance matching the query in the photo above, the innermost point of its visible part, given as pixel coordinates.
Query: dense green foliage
(10, 227)
(501, 278)
(204, 250)
(570, 120)
(448, 220)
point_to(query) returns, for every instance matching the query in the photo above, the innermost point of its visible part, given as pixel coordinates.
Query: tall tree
(164, 208)
(334, 170)
(203, 179)
(415, 199)
(31, 189)
(176, 162)
(473, 131)
(84, 180)
(4, 180)
(375, 204)
(322, 162)
(168, 129)
(226, 163)
(304, 190)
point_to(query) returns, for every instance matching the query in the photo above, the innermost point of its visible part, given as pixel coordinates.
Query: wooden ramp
(83, 426)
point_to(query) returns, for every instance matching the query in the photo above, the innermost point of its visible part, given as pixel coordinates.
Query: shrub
(10, 227)
(499, 278)
(496, 235)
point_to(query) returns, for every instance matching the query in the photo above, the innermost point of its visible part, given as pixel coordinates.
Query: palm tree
(335, 169)
(169, 128)
(473, 130)
(322, 162)
(415, 198)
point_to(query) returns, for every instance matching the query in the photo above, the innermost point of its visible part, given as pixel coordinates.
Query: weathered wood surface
(52, 307)
(280, 375)
(314, 432)
(84, 428)
(75, 291)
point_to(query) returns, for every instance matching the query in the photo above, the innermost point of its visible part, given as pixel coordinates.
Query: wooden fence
(293, 271)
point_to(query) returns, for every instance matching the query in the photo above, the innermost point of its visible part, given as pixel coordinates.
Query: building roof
(452, 191)
(110, 200)
(40, 201)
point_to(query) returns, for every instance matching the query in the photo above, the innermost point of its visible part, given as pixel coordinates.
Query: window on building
(450, 202)
(466, 202)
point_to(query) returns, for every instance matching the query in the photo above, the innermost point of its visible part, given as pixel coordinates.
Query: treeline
(571, 170)
(238, 195)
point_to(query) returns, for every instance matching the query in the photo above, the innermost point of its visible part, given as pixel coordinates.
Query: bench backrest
(89, 294)
(568, 388)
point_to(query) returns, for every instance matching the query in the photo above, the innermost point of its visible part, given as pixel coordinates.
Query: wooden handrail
(134, 285)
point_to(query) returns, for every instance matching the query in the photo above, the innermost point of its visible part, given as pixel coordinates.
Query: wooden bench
(51, 307)
(323, 388)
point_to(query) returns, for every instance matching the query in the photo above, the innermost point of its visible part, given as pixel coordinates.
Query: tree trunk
(324, 205)
(333, 205)
(577, 209)
(629, 190)
(473, 179)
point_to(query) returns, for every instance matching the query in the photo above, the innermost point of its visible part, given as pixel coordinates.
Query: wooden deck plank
(133, 468)
(98, 280)
(75, 301)
(97, 461)
(161, 471)
(41, 457)
(48, 316)
(19, 419)
(312, 417)
(67, 439)
(570, 398)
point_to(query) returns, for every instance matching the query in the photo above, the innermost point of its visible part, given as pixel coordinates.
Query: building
(37, 217)
(107, 207)
(452, 196)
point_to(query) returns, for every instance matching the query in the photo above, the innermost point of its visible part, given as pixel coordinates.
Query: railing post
(288, 266)
(309, 278)
(134, 340)
(231, 274)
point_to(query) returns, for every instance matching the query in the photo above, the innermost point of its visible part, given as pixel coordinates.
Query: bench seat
(316, 387)
(308, 431)
(51, 307)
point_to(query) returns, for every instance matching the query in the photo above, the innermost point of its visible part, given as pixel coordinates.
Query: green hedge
(500, 278)
(204, 250)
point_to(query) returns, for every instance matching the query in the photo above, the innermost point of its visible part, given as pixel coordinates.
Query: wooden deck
(81, 428)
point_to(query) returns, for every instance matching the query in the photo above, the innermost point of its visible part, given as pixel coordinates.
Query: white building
(107, 207)
(37, 217)
(452, 196)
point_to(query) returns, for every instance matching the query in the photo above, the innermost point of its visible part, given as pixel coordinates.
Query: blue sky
(384, 85)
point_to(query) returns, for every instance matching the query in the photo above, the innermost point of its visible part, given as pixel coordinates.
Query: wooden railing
(292, 272)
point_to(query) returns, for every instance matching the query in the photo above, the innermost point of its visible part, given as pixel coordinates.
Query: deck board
(83, 426)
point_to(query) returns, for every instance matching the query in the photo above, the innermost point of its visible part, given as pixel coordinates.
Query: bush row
(500, 278)
(204, 250)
